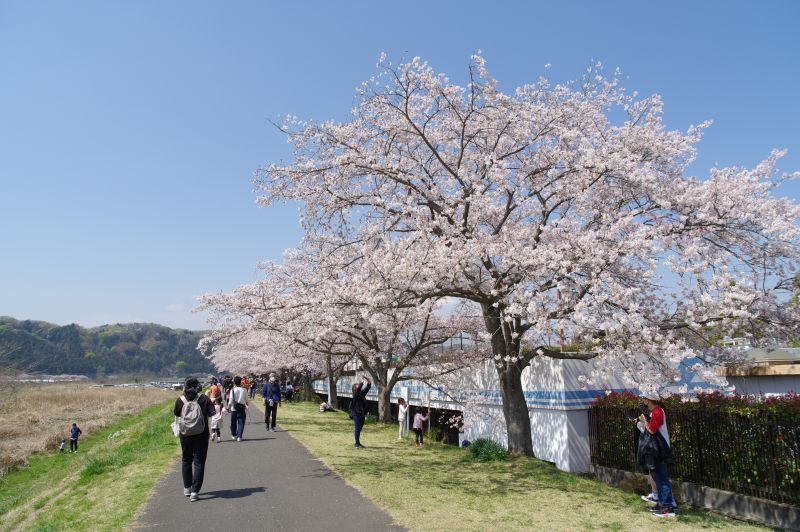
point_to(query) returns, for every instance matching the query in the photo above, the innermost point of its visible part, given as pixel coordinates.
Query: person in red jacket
(657, 426)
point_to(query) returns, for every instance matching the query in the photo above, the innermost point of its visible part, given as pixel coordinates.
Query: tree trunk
(333, 396)
(515, 408)
(379, 372)
(308, 391)
(384, 404)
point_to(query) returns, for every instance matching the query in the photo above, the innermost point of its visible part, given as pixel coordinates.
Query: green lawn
(99, 488)
(440, 487)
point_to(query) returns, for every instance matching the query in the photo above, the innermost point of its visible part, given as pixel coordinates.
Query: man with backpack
(193, 409)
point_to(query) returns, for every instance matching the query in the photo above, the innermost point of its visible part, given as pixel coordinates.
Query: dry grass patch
(438, 487)
(35, 418)
(102, 487)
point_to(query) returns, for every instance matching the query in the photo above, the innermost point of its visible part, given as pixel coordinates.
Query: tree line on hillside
(136, 348)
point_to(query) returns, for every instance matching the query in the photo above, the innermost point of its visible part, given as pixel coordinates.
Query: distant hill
(122, 349)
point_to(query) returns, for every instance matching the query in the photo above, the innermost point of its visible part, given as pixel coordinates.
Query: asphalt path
(268, 481)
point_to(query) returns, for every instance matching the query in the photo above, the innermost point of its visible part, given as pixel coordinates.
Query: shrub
(486, 450)
(785, 407)
(97, 466)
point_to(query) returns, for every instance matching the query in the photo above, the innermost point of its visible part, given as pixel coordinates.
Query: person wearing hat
(657, 426)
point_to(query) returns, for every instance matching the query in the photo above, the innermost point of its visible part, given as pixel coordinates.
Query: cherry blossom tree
(558, 209)
(265, 326)
(320, 307)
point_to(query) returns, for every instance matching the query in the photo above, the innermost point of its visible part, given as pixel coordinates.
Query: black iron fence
(757, 455)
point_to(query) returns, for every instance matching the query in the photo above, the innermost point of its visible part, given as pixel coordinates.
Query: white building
(770, 371)
(557, 406)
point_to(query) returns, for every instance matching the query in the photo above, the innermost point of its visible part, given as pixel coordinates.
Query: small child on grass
(74, 433)
(62, 445)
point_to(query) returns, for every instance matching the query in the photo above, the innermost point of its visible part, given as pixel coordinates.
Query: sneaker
(238, 439)
(664, 511)
(657, 509)
(187, 492)
(219, 439)
(652, 497)
(193, 497)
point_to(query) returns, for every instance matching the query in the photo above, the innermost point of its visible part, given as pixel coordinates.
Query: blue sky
(129, 130)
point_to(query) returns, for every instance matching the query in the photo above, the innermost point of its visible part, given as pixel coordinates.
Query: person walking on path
(74, 433)
(238, 407)
(657, 426)
(216, 419)
(358, 409)
(214, 391)
(227, 388)
(253, 387)
(272, 400)
(419, 424)
(194, 448)
(402, 418)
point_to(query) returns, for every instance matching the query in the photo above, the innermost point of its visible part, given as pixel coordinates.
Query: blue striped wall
(549, 399)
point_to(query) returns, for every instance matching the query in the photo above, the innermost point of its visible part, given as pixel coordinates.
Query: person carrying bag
(192, 410)
(272, 400)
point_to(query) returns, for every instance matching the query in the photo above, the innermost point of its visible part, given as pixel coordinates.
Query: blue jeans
(358, 422)
(237, 423)
(661, 476)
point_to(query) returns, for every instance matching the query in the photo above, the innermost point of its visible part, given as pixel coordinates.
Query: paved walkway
(268, 481)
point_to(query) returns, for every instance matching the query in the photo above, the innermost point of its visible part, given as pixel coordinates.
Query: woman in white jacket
(402, 418)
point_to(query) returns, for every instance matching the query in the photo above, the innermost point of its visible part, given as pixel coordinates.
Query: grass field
(36, 417)
(440, 487)
(101, 487)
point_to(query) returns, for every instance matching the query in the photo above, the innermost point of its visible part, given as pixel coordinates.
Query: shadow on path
(245, 440)
(232, 494)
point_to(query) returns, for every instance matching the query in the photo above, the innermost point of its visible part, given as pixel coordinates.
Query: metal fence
(757, 455)
(440, 429)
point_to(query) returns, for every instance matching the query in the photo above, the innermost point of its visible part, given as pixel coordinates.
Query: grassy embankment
(440, 487)
(99, 488)
(36, 417)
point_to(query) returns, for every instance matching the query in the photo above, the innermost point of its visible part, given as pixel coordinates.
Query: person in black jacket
(359, 408)
(194, 449)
